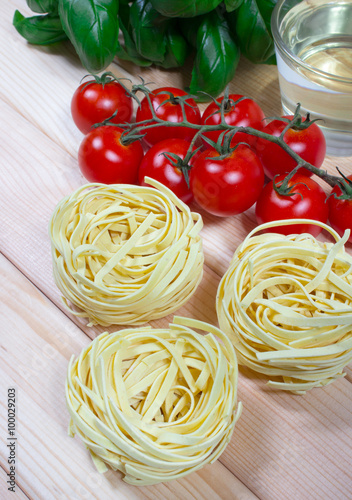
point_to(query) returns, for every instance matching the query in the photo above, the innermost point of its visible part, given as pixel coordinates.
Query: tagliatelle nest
(155, 404)
(125, 254)
(286, 304)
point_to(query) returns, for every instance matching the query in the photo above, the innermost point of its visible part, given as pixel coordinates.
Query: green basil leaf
(251, 23)
(128, 51)
(189, 29)
(39, 30)
(43, 6)
(176, 48)
(184, 8)
(231, 5)
(270, 60)
(92, 27)
(148, 31)
(217, 56)
(266, 8)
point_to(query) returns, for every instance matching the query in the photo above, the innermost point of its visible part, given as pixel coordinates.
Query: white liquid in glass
(321, 37)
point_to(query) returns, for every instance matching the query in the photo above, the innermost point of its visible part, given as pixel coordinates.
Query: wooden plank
(7, 494)
(293, 446)
(37, 341)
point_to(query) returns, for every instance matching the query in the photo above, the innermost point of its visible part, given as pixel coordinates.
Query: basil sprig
(160, 32)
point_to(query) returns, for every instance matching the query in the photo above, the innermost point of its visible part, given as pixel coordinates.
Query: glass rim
(282, 46)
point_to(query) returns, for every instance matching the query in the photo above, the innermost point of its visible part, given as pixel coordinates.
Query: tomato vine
(136, 131)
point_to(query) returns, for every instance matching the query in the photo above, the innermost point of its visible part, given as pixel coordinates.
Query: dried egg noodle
(286, 304)
(155, 404)
(125, 254)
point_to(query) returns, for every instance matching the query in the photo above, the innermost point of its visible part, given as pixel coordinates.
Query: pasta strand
(178, 426)
(125, 254)
(286, 304)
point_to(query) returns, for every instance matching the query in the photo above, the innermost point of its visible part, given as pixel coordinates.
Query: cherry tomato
(308, 203)
(159, 167)
(94, 102)
(169, 111)
(227, 186)
(309, 143)
(103, 158)
(340, 212)
(245, 113)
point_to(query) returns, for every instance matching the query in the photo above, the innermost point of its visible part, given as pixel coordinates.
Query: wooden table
(284, 446)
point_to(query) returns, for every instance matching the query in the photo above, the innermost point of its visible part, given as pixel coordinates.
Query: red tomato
(103, 158)
(157, 166)
(340, 212)
(309, 144)
(228, 186)
(245, 113)
(170, 111)
(308, 203)
(94, 102)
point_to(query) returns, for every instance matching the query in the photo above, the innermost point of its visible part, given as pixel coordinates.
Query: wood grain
(283, 447)
(38, 340)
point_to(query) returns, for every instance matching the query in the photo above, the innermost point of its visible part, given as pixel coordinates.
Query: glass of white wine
(313, 43)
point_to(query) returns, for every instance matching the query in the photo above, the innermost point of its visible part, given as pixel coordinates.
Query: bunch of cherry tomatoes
(223, 185)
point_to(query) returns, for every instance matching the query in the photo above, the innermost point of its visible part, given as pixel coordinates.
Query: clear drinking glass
(313, 43)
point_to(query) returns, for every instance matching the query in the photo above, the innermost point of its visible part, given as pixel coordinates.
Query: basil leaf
(184, 8)
(43, 6)
(251, 23)
(270, 60)
(176, 48)
(266, 8)
(189, 29)
(217, 56)
(231, 5)
(39, 30)
(148, 31)
(92, 26)
(128, 51)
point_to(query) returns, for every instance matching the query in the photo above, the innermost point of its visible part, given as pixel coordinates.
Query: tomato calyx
(228, 103)
(345, 185)
(284, 189)
(301, 123)
(177, 162)
(183, 164)
(104, 79)
(175, 100)
(223, 144)
(297, 122)
(225, 106)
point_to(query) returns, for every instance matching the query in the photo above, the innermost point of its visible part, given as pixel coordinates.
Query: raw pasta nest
(156, 404)
(286, 304)
(125, 254)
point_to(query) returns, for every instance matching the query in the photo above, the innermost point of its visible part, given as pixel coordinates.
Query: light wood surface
(284, 446)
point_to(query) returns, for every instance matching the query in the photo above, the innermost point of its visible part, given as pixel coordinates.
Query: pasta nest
(125, 254)
(286, 304)
(155, 404)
